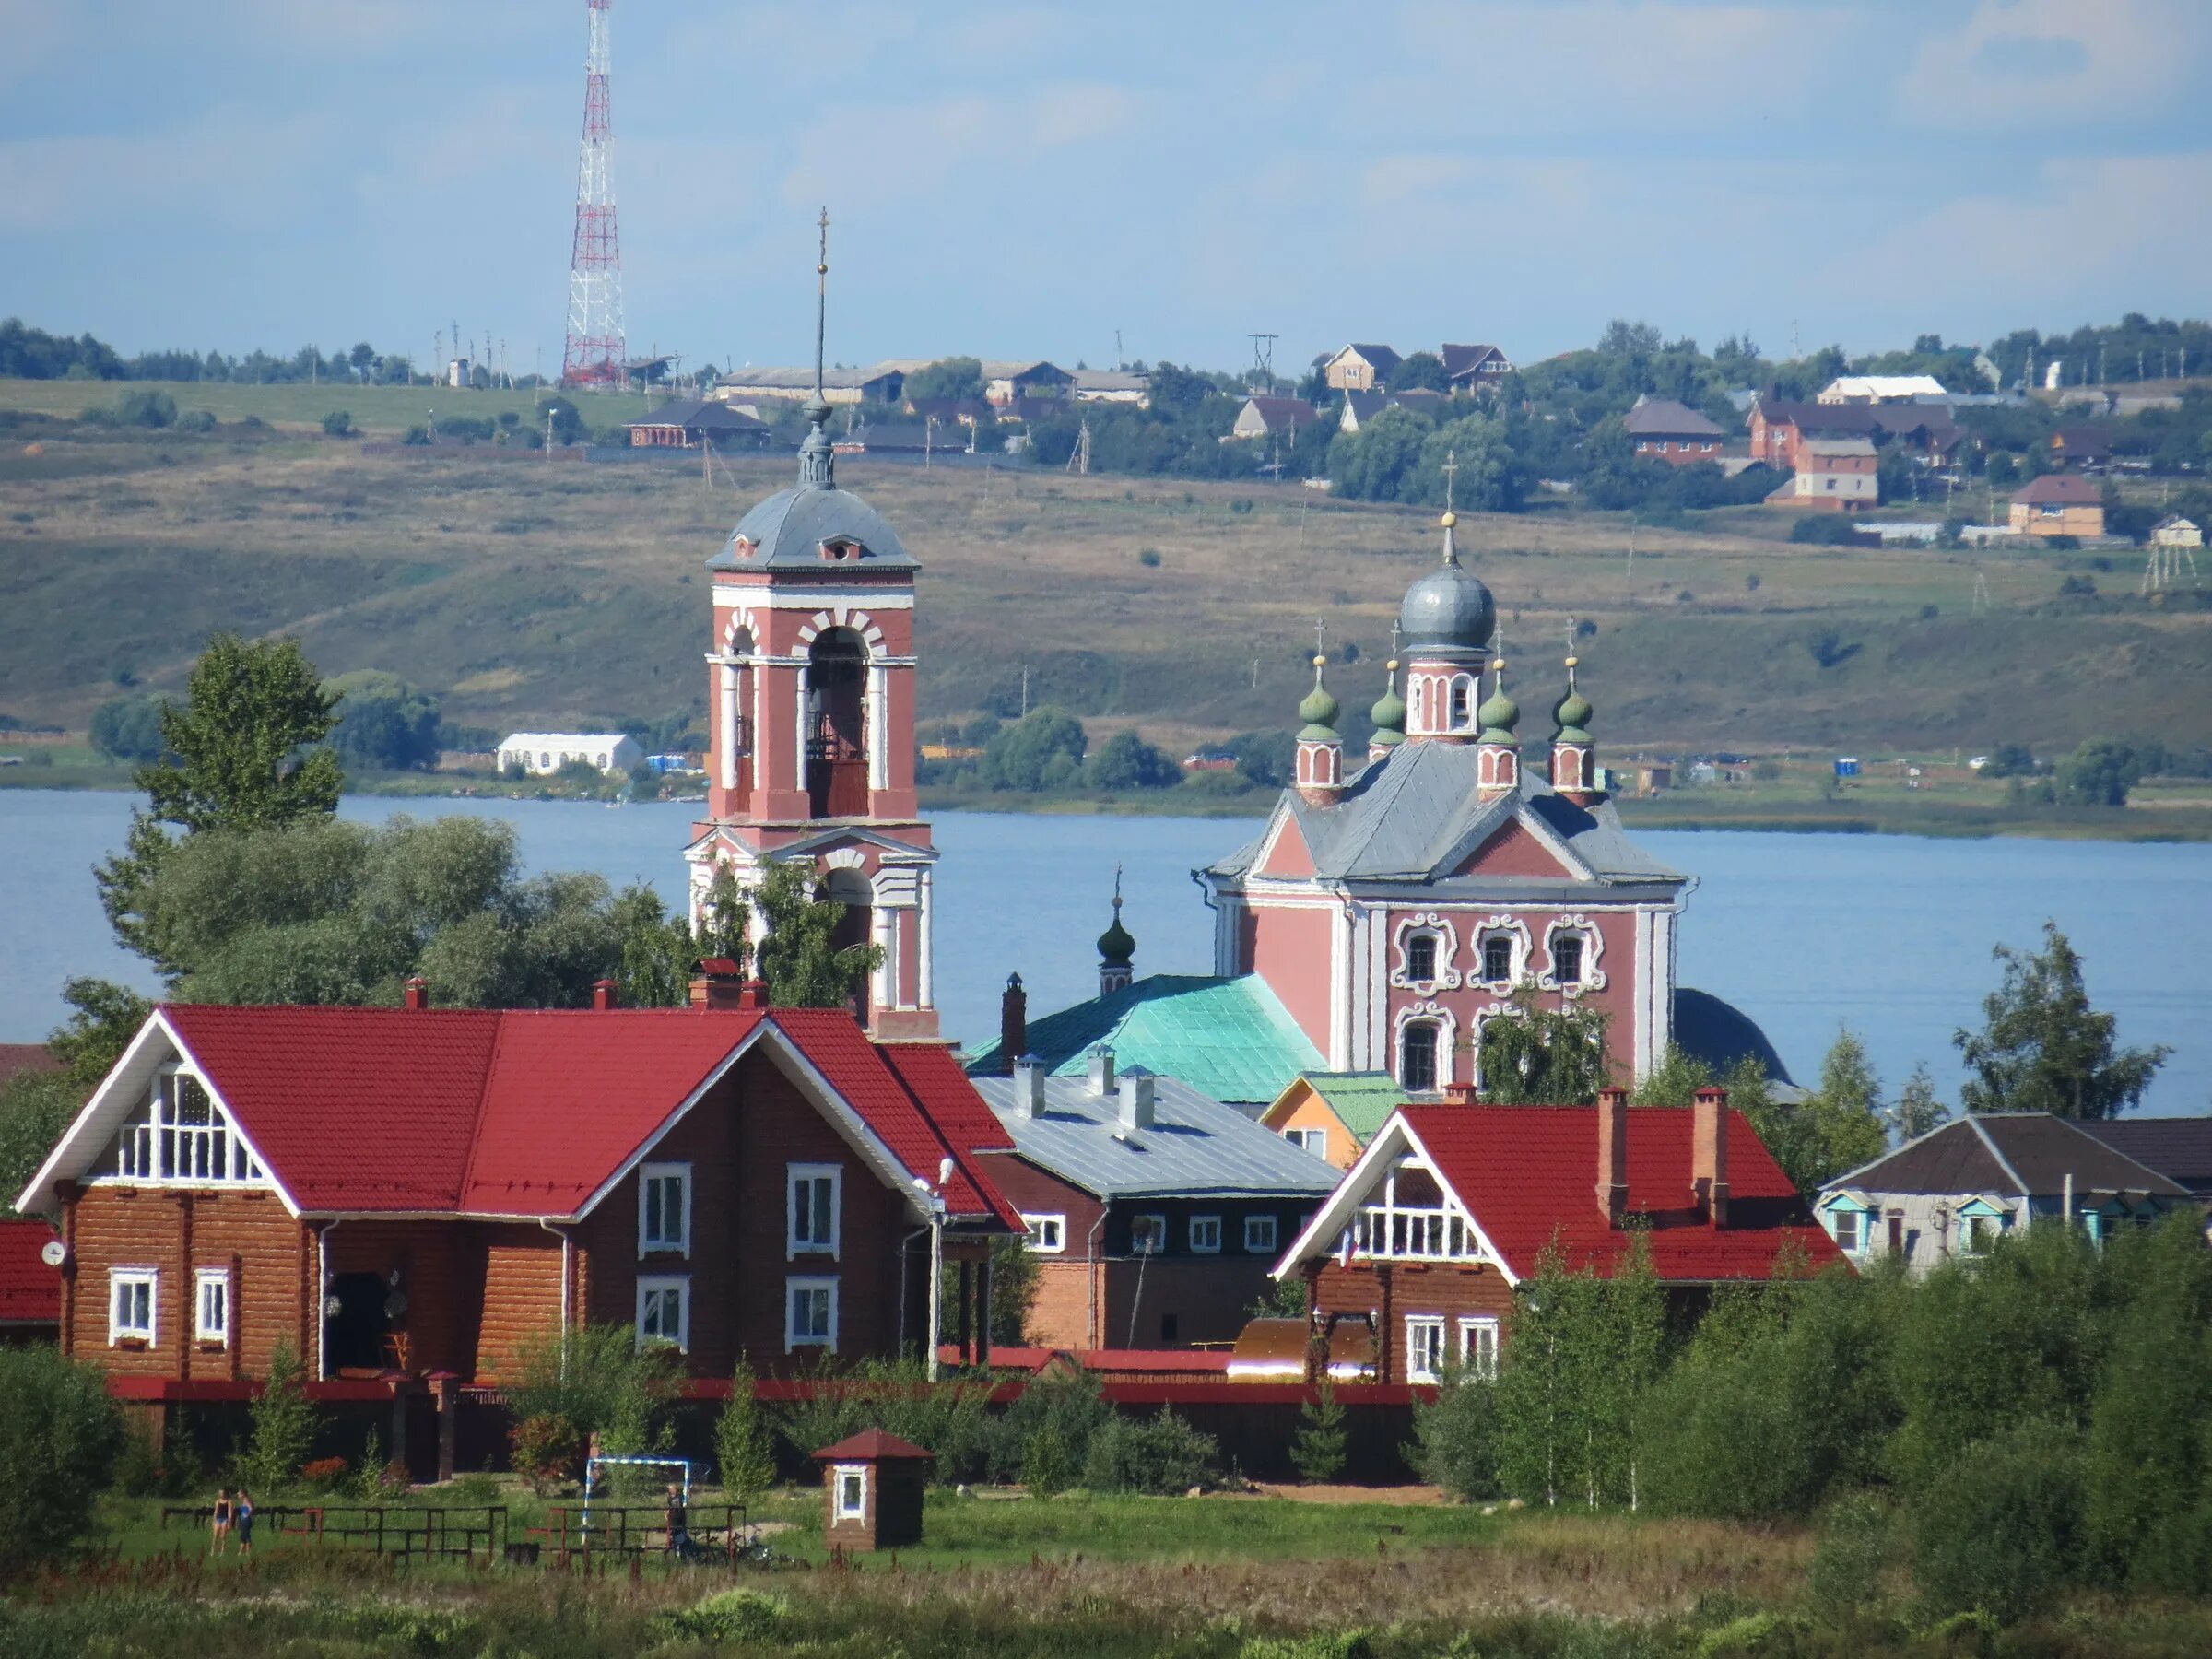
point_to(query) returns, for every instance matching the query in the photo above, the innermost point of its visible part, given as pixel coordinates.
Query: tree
(745, 1444)
(282, 1424)
(1839, 1126)
(1024, 756)
(1266, 759)
(1917, 1110)
(1317, 1451)
(1419, 371)
(798, 954)
(1631, 1336)
(35, 1107)
(1540, 1415)
(59, 1440)
(947, 377)
(338, 423)
(1126, 762)
(383, 722)
(1623, 339)
(104, 1019)
(1374, 463)
(2042, 1048)
(2099, 773)
(130, 729)
(1674, 1081)
(1543, 1056)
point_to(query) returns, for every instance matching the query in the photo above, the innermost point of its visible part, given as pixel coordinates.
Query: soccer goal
(595, 1467)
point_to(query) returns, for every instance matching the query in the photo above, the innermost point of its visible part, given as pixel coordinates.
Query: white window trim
(1415, 1371)
(792, 1175)
(201, 1278)
(1198, 1248)
(1158, 1235)
(1037, 1225)
(680, 1172)
(1469, 1326)
(792, 1341)
(150, 1277)
(839, 1509)
(1266, 1246)
(679, 1283)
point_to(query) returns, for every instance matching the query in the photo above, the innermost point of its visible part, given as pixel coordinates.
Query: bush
(1070, 1406)
(733, 1616)
(1163, 1454)
(744, 1442)
(1046, 1466)
(1856, 1544)
(60, 1435)
(154, 409)
(338, 423)
(1455, 1440)
(1829, 530)
(196, 421)
(1148, 558)
(323, 1473)
(1126, 762)
(2002, 1531)
(545, 1450)
(283, 1425)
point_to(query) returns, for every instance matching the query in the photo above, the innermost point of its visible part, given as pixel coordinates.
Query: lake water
(1889, 935)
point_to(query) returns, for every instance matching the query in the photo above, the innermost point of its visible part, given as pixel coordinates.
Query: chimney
(1709, 1154)
(718, 985)
(1013, 1022)
(1028, 1087)
(1136, 1092)
(604, 995)
(1613, 1154)
(1462, 1094)
(753, 994)
(415, 994)
(1101, 1071)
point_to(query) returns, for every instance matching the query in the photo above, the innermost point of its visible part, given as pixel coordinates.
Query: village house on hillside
(881, 383)
(2057, 504)
(1359, 368)
(1881, 389)
(1273, 417)
(401, 1195)
(1153, 1213)
(1450, 1208)
(690, 422)
(1673, 432)
(541, 754)
(1833, 475)
(1471, 368)
(1359, 408)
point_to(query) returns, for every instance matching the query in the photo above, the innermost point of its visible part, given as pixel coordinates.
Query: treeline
(33, 354)
(2016, 1425)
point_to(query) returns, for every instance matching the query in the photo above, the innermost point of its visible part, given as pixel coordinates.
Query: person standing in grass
(221, 1529)
(242, 1518)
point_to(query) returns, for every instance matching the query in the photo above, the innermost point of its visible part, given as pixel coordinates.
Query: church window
(1566, 959)
(1416, 1056)
(1420, 957)
(1463, 694)
(1497, 958)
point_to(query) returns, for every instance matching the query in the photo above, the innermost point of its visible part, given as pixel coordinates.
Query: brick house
(1448, 1209)
(688, 422)
(405, 1195)
(1359, 367)
(1673, 432)
(1154, 1212)
(2058, 504)
(1833, 475)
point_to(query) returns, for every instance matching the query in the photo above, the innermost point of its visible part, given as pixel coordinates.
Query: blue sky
(1017, 179)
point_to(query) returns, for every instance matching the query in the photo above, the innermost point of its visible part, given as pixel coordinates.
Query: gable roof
(1361, 1100)
(1196, 1147)
(1229, 1039)
(1526, 1176)
(519, 1111)
(1462, 361)
(2060, 489)
(30, 1291)
(2179, 1149)
(708, 414)
(1662, 417)
(1280, 411)
(872, 1446)
(1382, 358)
(2028, 1153)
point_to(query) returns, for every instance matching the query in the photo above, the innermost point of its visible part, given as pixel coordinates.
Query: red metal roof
(1527, 1174)
(30, 1292)
(528, 1111)
(26, 1057)
(2060, 489)
(872, 1445)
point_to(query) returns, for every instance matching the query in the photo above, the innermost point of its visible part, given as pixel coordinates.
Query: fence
(711, 1529)
(430, 1533)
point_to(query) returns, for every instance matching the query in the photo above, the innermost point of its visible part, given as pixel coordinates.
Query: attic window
(835, 552)
(744, 546)
(181, 1136)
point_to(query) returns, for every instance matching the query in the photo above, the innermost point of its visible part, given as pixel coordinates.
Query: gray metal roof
(788, 529)
(802, 379)
(2027, 1153)
(1417, 814)
(1197, 1145)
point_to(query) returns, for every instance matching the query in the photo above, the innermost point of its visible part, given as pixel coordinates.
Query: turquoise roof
(1232, 1039)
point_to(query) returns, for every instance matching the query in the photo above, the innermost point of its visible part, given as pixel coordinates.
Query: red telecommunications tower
(596, 346)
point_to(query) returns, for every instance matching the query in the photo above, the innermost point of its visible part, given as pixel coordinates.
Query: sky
(1009, 180)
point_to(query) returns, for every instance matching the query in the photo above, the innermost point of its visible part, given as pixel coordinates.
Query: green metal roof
(1361, 1100)
(1228, 1038)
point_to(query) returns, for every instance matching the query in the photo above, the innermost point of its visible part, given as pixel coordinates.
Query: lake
(1889, 935)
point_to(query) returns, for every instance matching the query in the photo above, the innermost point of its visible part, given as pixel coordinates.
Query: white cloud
(2030, 63)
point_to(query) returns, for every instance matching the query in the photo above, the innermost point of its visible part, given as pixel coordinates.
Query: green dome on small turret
(1318, 709)
(1388, 715)
(1500, 715)
(1573, 716)
(1116, 945)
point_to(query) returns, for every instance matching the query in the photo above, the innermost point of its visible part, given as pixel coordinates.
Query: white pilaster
(885, 994)
(1340, 995)
(923, 938)
(874, 718)
(729, 727)
(799, 720)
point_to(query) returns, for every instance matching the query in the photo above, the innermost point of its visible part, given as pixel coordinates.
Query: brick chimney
(1613, 1154)
(718, 984)
(416, 993)
(604, 995)
(1013, 1023)
(1709, 1154)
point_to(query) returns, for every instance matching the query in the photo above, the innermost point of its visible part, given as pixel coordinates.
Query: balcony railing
(1385, 1233)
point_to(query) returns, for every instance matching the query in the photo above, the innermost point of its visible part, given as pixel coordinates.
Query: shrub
(146, 409)
(1318, 1449)
(1071, 1405)
(1455, 1440)
(1148, 558)
(196, 421)
(1162, 1454)
(744, 1442)
(283, 1429)
(338, 423)
(2002, 1531)
(60, 1435)
(746, 1616)
(1046, 1466)
(1856, 1544)
(545, 1450)
(322, 1473)
(1829, 530)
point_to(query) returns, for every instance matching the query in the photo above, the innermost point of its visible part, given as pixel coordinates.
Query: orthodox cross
(1451, 470)
(1570, 653)
(1320, 627)
(821, 297)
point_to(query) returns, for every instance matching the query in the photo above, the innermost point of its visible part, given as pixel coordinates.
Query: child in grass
(242, 1516)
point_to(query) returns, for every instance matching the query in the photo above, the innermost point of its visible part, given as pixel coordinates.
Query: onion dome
(1574, 712)
(1318, 709)
(1388, 715)
(1449, 609)
(1116, 945)
(1500, 714)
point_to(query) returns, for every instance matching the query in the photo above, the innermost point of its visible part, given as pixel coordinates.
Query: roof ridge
(476, 1132)
(2004, 1162)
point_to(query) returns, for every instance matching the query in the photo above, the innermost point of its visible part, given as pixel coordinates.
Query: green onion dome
(1388, 715)
(1573, 716)
(1500, 715)
(1318, 709)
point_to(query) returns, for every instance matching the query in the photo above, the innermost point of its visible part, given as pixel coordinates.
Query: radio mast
(596, 346)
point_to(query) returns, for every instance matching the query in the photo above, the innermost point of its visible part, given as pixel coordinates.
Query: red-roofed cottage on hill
(1450, 1206)
(404, 1194)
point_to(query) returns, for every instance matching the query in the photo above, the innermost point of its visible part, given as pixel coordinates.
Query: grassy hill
(544, 593)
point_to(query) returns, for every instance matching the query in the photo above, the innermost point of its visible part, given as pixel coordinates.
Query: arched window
(1566, 959)
(837, 736)
(1497, 958)
(857, 925)
(1416, 1056)
(1420, 958)
(1462, 695)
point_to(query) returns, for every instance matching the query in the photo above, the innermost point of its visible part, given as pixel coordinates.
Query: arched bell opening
(837, 725)
(856, 925)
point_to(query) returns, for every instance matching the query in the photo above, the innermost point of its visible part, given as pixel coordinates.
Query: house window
(852, 1490)
(664, 1207)
(1259, 1235)
(1424, 1348)
(1497, 958)
(1847, 1229)
(1205, 1235)
(1148, 1234)
(1315, 1141)
(132, 1294)
(813, 1212)
(1416, 1056)
(1420, 958)
(811, 1314)
(1566, 959)
(664, 1313)
(1977, 1233)
(1478, 1348)
(211, 1305)
(1048, 1234)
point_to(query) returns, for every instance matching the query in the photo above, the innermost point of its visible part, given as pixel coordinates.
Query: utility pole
(1025, 690)
(1117, 351)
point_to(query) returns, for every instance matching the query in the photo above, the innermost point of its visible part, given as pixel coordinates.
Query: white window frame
(1480, 1359)
(119, 1279)
(202, 1280)
(1427, 1325)
(794, 1246)
(1315, 1141)
(1047, 1234)
(663, 1285)
(1201, 1225)
(681, 1174)
(1857, 1218)
(1149, 1234)
(1260, 1234)
(808, 1283)
(157, 1147)
(839, 1509)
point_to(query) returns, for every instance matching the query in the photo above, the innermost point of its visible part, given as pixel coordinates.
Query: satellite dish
(331, 1307)
(53, 1252)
